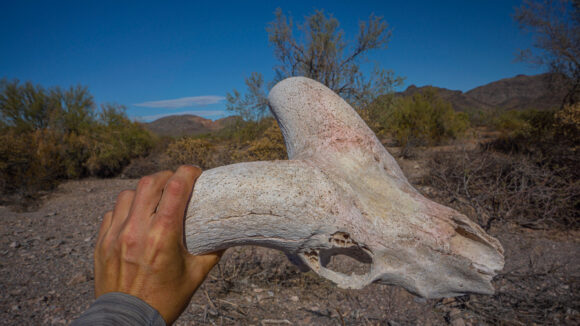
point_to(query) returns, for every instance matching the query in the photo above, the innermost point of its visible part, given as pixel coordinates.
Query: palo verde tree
(318, 49)
(555, 25)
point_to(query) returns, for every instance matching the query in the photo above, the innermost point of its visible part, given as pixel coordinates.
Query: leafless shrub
(501, 188)
(519, 189)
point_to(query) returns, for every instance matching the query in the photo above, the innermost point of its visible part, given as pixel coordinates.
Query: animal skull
(340, 192)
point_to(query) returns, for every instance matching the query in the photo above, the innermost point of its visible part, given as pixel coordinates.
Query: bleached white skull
(340, 192)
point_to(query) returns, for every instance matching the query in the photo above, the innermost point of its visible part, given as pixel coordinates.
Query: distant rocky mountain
(516, 93)
(187, 125)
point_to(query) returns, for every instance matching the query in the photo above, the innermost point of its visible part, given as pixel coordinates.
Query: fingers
(140, 250)
(147, 195)
(176, 197)
(115, 218)
(105, 225)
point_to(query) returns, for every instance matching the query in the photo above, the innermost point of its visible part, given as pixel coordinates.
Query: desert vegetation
(50, 135)
(521, 185)
(514, 172)
(318, 49)
(417, 120)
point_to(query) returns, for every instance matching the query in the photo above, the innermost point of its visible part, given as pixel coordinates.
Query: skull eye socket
(346, 261)
(346, 255)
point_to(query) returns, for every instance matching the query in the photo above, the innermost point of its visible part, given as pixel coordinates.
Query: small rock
(14, 244)
(270, 293)
(294, 298)
(455, 317)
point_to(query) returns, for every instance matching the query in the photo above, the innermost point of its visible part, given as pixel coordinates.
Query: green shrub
(480, 117)
(377, 114)
(32, 160)
(567, 122)
(189, 150)
(551, 135)
(55, 134)
(266, 148)
(421, 119)
(526, 123)
(116, 140)
(241, 131)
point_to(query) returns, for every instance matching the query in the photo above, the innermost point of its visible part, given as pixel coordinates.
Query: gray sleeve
(118, 308)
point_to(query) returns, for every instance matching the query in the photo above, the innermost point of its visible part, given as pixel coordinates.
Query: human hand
(140, 248)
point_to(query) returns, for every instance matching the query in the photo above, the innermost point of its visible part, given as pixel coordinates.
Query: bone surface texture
(340, 193)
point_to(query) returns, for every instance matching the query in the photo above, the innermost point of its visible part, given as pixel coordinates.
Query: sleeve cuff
(118, 308)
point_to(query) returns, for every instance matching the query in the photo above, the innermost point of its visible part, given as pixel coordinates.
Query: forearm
(118, 308)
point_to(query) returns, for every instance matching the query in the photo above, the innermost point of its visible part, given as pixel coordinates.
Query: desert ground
(46, 274)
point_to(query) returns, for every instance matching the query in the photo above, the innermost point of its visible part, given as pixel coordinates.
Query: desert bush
(549, 138)
(525, 124)
(189, 150)
(30, 160)
(111, 150)
(55, 134)
(240, 141)
(567, 122)
(480, 117)
(117, 140)
(242, 131)
(418, 120)
(26, 107)
(377, 113)
(270, 146)
(511, 123)
(501, 188)
(154, 162)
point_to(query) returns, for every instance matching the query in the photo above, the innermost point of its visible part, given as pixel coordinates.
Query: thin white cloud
(201, 113)
(183, 102)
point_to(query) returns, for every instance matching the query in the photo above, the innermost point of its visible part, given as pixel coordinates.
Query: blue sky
(170, 57)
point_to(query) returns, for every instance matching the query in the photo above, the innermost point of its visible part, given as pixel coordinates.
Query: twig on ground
(275, 322)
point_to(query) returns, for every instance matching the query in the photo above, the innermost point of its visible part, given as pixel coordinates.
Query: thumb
(200, 265)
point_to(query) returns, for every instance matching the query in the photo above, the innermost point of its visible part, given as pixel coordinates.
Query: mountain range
(187, 125)
(516, 93)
